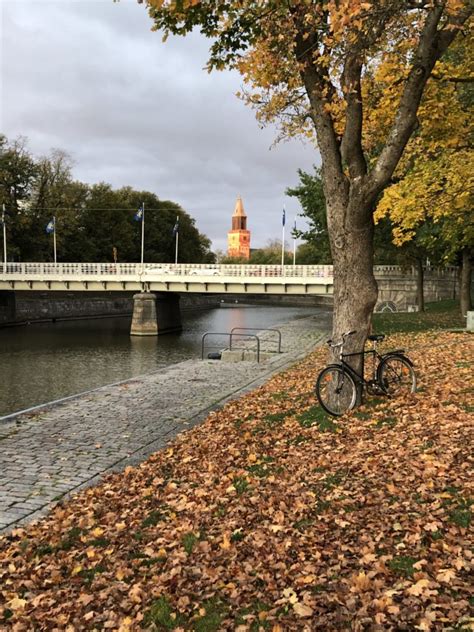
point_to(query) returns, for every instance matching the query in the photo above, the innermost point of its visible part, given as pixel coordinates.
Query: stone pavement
(57, 449)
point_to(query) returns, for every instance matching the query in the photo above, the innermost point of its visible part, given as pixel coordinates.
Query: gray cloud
(91, 78)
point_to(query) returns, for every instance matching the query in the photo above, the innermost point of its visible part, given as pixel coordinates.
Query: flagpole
(4, 235)
(176, 253)
(54, 238)
(283, 240)
(143, 231)
(294, 248)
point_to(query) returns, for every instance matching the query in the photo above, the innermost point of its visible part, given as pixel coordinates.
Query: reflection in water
(47, 361)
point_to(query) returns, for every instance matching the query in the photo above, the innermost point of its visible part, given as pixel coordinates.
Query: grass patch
(332, 480)
(71, 538)
(298, 439)
(315, 416)
(211, 620)
(256, 609)
(189, 540)
(153, 518)
(440, 315)
(162, 615)
(276, 419)
(88, 574)
(44, 549)
(262, 469)
(387, 421)
(280, 397)
(98, 542)
(241, 484)
(363, 415)
(237, 536)
(461, 515)
(402, 565)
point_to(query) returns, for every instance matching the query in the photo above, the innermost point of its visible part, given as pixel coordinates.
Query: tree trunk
(420, 285)
(355, 288)
(466, 278)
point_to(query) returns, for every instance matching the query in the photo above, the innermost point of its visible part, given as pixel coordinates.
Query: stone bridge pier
(155, 314)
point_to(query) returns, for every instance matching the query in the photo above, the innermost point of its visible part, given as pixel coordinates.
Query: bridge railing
(47, 270)
(42, 270)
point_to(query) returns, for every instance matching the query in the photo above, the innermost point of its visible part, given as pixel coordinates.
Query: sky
(91, 78)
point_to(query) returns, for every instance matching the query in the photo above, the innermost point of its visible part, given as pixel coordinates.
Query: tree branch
(351, 146)
(319, 89)
(433, 43)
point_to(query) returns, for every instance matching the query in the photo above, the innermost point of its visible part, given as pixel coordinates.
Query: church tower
(238, 239)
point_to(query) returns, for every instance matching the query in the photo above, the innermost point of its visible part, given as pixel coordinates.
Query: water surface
(47, 361)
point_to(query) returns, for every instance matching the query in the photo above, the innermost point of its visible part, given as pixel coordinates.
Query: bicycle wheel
(336, 390)
(395, 375)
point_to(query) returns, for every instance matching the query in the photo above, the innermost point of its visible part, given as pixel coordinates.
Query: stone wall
(25, 307)
(397, 288)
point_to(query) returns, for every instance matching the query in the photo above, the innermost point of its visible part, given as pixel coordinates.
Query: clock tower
(238, 239)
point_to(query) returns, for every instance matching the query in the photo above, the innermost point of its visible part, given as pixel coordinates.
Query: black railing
(230, 335)
(259, 329)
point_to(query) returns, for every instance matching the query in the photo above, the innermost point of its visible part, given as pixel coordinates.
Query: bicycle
(336, 385)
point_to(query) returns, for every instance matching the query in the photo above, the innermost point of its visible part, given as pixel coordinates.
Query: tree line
(94, 221)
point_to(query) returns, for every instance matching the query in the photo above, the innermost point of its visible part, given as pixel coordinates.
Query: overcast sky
(91, 78)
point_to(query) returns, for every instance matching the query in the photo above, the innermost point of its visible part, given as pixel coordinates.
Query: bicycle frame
(377, 359)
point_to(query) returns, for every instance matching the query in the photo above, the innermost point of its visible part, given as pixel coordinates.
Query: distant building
(238, 239)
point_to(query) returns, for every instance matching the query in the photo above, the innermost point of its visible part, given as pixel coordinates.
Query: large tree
(304, 62)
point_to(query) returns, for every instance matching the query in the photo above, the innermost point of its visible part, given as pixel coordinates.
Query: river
(47, 361)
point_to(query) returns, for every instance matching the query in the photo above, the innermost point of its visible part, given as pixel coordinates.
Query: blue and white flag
(50, 226)
(139, 214)
(176, 227)
(283, 217)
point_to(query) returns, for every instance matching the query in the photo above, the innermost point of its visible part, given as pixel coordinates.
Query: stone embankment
(59, 448)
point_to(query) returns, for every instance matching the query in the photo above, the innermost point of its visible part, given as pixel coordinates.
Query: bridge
(158, 286)
(155, 277)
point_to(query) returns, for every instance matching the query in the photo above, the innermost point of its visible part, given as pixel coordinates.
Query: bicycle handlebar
(344, 336)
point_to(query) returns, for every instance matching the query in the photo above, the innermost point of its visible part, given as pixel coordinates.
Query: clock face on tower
(238, 239)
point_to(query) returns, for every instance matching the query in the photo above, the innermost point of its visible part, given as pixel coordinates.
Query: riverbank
(51, 451)
(270, 516)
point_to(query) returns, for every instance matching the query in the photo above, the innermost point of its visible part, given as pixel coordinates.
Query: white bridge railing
(110, 270)
(37, 271)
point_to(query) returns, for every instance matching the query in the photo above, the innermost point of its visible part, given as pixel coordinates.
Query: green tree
(310, 193)
(17, 173)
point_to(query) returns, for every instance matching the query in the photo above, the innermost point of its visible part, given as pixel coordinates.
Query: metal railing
(230, 336)
(259, 329)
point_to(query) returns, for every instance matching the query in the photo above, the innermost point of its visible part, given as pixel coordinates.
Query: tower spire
(238, 239)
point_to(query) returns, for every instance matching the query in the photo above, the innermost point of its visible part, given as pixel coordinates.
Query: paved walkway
(60, 448)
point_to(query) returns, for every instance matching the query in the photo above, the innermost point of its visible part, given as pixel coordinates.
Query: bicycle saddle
(376, 337)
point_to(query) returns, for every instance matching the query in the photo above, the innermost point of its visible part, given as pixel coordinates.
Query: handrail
(260, 329)
(201, 269)
(231, 335)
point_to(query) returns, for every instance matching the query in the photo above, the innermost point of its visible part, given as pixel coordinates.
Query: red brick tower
(238, 239)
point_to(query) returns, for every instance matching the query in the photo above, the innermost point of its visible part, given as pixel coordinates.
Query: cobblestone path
(57, 449)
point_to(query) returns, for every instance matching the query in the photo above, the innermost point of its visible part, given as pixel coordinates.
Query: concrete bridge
(154, 277)
(158, 287)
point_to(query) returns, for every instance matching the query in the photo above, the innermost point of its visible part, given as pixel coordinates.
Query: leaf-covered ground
(270, 516)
